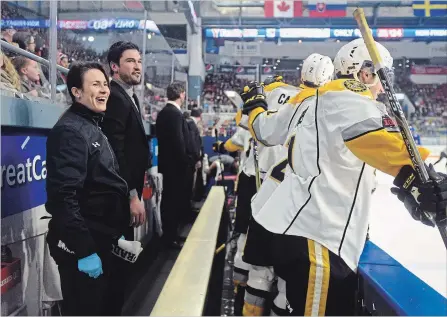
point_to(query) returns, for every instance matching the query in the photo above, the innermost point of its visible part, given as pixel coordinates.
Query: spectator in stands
(174, 163)
(86, 196)
(25, 41)
(10, 79)
(29, 75)
(7, 34)
(124, 128)
(62, 60)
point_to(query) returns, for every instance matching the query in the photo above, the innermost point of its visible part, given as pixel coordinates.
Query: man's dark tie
(137, 102)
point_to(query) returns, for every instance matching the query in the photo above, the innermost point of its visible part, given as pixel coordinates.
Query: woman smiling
(87, 198)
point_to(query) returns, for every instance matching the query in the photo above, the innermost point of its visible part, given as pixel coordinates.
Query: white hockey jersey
(339, 136)
(274, 127)
(277, 95)
(241, 141)
(270, 127)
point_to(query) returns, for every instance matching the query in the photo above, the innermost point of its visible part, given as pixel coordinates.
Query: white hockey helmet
(317, 70)
(354, 56)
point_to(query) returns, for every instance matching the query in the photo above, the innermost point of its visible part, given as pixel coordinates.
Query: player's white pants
(279, 303)
(240, 274)
(259, 286)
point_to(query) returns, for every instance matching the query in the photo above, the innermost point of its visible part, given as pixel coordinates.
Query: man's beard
(129, 80)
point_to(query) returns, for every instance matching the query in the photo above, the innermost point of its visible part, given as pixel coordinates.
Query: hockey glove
(219, 147)
(253, 97)
(91, 265)
(419, 198)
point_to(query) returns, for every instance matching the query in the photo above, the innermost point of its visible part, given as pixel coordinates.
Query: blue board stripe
(402, 290)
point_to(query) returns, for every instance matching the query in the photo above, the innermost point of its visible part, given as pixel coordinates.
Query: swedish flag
(430, 8)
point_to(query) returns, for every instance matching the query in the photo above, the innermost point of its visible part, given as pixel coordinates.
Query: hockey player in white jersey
(241, 141)
(316, 71)
(320, 211)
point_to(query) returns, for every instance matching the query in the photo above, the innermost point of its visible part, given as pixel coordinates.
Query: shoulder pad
(346, 85)
(303, 94)
(274, 85)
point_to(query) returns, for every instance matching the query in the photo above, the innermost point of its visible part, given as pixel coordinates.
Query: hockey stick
(402, 123)
(256, 162)
(220, 169)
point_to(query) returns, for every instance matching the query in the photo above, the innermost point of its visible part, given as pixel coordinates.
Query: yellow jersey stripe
(230, 146)
(383, 150)
(251, 118)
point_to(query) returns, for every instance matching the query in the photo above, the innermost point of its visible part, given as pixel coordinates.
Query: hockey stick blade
(418, 163)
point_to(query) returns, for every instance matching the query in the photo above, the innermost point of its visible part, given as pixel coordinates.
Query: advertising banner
(324, 33)
(237, 69)
(24, 172)
(429, 70)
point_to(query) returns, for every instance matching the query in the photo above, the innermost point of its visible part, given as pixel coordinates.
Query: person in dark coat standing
(174, 163)
(196, 145)
(123, 125)
(86, 197)
(124, 128)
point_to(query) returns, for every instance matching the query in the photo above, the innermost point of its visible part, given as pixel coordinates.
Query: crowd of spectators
(214, 88)
(430, 104)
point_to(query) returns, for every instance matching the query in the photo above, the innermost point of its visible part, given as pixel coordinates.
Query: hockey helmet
(354, 56)
(317, 70)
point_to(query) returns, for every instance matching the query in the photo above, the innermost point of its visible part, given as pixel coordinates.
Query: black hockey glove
(253, 97)
(219, 147)
(420, 199)
(273, 79)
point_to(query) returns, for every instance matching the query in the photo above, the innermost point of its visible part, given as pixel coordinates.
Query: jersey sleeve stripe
(361, 128)
(253, 125)
(232, 146)
(383, 150)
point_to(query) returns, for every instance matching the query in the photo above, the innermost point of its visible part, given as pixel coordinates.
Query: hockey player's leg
(258, 292)
(279, 303)
(240, 276)
(308, 280)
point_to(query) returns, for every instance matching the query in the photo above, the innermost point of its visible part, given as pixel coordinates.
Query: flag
(328, 8)
(283, 8)
(429, 8)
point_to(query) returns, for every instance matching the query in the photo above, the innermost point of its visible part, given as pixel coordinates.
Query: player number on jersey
(278, 172)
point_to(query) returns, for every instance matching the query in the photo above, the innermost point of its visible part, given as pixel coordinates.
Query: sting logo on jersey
(389, 124)
(355, 85)
(283, 99)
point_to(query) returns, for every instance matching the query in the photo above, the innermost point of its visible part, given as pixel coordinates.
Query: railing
(29, 55)
(186, 291)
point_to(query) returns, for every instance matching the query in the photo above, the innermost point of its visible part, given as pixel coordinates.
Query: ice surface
(417, 247)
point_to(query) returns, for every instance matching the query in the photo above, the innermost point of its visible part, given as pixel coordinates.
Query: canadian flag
(283, 8)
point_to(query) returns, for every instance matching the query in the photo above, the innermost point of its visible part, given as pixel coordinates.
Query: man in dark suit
(196, 149)
(123, 126)
(174, 163)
